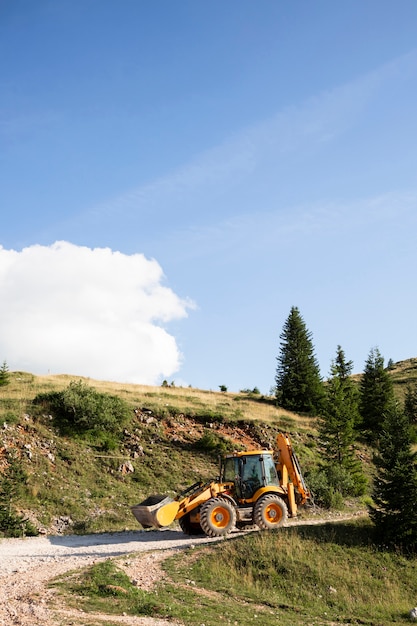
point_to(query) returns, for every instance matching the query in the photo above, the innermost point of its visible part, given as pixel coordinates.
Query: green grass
(330, 574)
(78, 475)
(403, 374)
(104, 587)
(164, 401)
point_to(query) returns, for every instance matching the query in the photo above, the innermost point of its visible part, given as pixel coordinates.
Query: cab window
(271, 476)
(251, 475)
(230, 470)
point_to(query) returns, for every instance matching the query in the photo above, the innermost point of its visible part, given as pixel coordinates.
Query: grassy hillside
(172, 438)
(403, 373)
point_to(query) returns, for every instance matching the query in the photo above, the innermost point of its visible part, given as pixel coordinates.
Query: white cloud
(88, 312)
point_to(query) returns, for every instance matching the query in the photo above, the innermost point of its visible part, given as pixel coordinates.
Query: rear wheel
(217, 517)
(270, 511)
(188, 527)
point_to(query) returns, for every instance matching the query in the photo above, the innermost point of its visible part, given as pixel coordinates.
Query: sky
(176, 176)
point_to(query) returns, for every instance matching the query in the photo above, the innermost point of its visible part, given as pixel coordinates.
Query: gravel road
(26, 565)
(20, 555)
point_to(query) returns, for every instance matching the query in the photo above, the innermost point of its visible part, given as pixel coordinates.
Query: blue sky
(176, 175)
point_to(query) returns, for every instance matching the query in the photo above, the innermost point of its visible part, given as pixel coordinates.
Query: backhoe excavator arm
(289, 467)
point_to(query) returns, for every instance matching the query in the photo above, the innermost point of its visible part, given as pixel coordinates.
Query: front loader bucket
(156, 511)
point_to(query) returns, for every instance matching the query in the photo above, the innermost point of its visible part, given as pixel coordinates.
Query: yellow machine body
(261, 487)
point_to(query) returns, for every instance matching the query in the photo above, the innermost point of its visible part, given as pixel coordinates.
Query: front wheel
(217, 517)
(270, 512)
(188, 527)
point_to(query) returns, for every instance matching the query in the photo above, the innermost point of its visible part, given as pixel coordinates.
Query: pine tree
(395, 487)
(376, 394)
(4, 374)
(340, 412)
(298, 382)
(339, 417)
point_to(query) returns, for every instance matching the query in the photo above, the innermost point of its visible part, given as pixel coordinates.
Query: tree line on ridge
(350, 413)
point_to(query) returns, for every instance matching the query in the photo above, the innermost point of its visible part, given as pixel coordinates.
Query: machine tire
(270, 512)
(217, 517)
(188, 527)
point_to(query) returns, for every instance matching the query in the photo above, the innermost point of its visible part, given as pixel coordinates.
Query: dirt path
(26, 565)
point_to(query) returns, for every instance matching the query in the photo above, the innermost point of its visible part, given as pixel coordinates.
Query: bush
(212, 442)
(82, 409)
(12, 524)
(255, 391)
(330, 484)
(10, 418)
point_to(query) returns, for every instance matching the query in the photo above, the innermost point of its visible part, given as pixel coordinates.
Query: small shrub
(82, 409)
(4, 374)
(251, 392)
(174, 411)
(334, 499)
(12, 524)
(330, 484)
(366, 501)
(212, 442)
(286, 422)
(10, 418)
(206, 415)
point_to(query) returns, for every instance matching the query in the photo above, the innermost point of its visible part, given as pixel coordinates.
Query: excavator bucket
(156, 511)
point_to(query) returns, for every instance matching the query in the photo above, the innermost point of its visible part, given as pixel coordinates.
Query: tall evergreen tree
(395, 487)
(298, 383)
(340, 414)
(376, 394)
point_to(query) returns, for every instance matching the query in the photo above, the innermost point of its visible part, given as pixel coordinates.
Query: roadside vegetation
(329, 574)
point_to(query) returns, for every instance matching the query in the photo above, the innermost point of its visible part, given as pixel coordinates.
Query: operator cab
(249, 472)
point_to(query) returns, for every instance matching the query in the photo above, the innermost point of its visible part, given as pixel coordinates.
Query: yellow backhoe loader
(261, 487)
